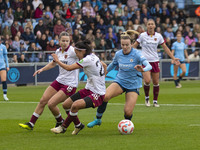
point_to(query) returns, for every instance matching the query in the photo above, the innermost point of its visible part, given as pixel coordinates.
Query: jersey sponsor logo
(81, 61)
(131, 60)
(155, 39)
(150, 43)
(65, 62)
(125, 66)
(13, 75)
(65, 56)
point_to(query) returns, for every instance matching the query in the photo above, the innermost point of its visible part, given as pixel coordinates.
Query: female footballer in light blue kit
(4, 67)
(128, 80)
(179, 50)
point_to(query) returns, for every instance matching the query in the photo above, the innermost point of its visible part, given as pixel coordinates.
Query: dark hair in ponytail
(84, 45)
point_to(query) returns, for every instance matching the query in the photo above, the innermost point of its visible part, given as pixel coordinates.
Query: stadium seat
(112, 7)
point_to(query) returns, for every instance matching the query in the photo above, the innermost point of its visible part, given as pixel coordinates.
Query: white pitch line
(120, 104)
(17, 102)
(194, 125)
(180, 105)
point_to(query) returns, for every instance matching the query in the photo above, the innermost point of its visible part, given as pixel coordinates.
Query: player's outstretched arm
(146, 68)
(47, 67)
(167, 50)
(186, 55)
(139, 68)
(65, 66)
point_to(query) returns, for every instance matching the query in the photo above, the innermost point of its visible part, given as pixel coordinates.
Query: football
(125, 127)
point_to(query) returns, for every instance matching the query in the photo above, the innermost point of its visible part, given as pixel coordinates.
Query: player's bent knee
(107, 98)
(50, 105)
(66, 105)
(147, 82)
(43, 102)
(75, 106)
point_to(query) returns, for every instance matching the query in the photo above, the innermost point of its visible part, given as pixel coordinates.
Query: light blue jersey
(3, 57)
(127, 76)
(179, 48)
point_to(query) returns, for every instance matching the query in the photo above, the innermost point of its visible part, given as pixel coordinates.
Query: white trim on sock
(155, 101)
(58, 116)
(146, 84)
(32, 124)
(78, 125)
(73, 114)
(156, 85)
(36, 115)
(67, 110)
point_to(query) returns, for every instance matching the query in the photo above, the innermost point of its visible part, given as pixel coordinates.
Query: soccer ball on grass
(125, 127)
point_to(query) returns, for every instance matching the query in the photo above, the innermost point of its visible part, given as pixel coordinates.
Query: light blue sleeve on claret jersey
(5, 56)
(113, 64)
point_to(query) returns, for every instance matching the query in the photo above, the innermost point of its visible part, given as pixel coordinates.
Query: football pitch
(173, 126)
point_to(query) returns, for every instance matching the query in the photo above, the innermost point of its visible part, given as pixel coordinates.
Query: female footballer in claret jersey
(64, 86)
(129, 77)
(179, 51)
(93, 93)
(4, 67)
(149, 42)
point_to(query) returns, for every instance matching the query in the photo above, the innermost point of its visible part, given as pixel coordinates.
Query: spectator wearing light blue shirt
(169, 33)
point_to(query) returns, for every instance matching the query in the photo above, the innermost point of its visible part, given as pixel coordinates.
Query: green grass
(170, 127)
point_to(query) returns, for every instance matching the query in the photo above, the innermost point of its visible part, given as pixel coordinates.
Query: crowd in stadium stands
(28, 26)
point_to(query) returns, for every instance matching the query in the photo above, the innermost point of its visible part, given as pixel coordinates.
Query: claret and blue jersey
(127, 76)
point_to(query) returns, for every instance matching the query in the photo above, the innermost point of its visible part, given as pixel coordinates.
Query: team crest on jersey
(65, 56)
(155, 39)
(1, 49)
(131, 60)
